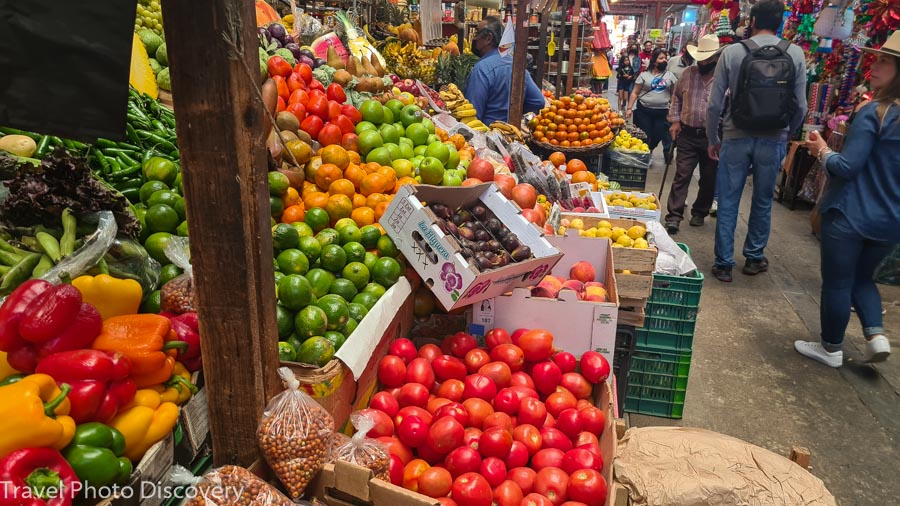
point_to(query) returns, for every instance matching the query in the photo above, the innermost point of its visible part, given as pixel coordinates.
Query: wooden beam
(520, 54)
(563, 8)
(574, 61)
(223, 159)
(542, 46)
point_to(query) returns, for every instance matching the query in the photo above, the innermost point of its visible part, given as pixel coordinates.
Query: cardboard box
(577, 326)
(345, 484)
(632, 259)
(633, 212)
(335, 385)
(606, 401)
(439, 326)
(435, 256)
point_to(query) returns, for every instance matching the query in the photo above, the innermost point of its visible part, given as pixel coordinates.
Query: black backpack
(764, 99)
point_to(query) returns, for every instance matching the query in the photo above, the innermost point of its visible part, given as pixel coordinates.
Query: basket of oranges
(575, 125)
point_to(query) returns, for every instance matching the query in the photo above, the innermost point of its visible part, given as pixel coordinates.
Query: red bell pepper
(37, 477)
(100, 382)
(12, 309)
(50, 314)
(187, 329)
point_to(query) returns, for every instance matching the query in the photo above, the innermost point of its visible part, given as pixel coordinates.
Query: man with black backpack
(766, 76)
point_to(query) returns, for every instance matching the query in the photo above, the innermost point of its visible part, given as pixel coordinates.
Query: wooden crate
(631, 316)
(630, 259)
(634, 286)
(632, 302)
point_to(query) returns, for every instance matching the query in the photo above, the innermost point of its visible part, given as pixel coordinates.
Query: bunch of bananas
(407, 61)
(509, 132)
(461, 109)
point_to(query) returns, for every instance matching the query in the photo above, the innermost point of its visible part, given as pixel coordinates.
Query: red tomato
(524, 392)
(463, 460)
(530, 436)
(316, 85)
(397, 448)
(499, 373)
(581, 458)
(570, 423)
(430, 352)
(573, 503)
(334, 109)
(583, 404)
(396, 470)
(419, 371)
(508, 493)
(591, 447)
(352, 113)
(518, 455)
(496, 337)
(537, 345)
(521, 379)
(555, 438)
(435, 482)
(451, 389)
(298, 110)
(280, 105)
(423, 414)
(476, 358)
(391, 370)
(585, 438)
(548, 457)
(330, 134)
(318, 105)
(566, 361)
(461, 343)
(445, 435)
(532, 411)
(448, 367)
(295, 83)
(413, 394)
(587, 486)
(313, 125)
(472, 438)
(479, 410)
(507, 401)
(299, 97)
(558, 402)
(278, 66)
(305, 72)
(472, 489)
(446, 501)
(509, 354)
(479, 386)
(535, 499)
(336, 92)
(384, 426)
(281, 85)
(403, 348)
(594, 367)
(594, 420)
(430, 455)
(546, 377)
(501, 420)
(494, 470)
(453, 410)
(550, 422)
(552, 482)
(412, 472)
(577, 385)
(495, 442)
(524, 478)
(514, 337)
(384, 401)
(436, 403)
(412, 431)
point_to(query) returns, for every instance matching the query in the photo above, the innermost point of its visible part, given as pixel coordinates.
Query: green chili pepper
(16, 131)
(42, 146)
(131, 134)
(132, 194)
(125, 172)
(105, 143)
(19, 273)
(124, 159)
(129, 183)
(114, 165)
(159, 140)
(113, 152)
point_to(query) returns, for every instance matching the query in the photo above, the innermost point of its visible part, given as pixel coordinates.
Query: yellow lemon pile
(626, 141)
(628, 199)
(634, 237)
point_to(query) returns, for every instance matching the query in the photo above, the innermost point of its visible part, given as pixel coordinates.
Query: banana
(466, 113)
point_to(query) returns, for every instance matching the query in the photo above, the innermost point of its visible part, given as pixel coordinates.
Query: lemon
(561, 231)
(577, 223)
(625, 241)
(617, 232)
(641, 243)
(604, 232)
(604, 224)
(636, 232)
(591, 232)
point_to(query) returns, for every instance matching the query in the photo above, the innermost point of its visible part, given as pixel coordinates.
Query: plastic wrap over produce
(671, 260)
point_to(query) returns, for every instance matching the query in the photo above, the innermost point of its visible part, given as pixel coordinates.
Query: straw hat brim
(698, 55)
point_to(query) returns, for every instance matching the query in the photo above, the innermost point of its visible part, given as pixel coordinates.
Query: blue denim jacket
(864, 179)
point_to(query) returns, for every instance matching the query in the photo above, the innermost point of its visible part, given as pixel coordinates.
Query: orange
(402, 181)
(354, 157)
(380, 209)
(372, 167)
(358, 199)
(583, 176)
(557, 158)
(291, 197)
(391, 177)
(355, 174)
(363, 216)
(301, 151)
(338, 206)
(293, 214)
(315, 199)
(342, 187)
(373, 183)
(375, 199)
(575, 165)
(311, 167)
(326, 174)
(336, 155)
(307, 189)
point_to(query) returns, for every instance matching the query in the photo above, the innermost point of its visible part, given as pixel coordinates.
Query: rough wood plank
(621, 427)
(520, 53)
(800, 455)
(220, 134)
(542, 47)
(574, 60)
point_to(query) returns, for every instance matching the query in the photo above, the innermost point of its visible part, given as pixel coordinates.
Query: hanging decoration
(724, 31)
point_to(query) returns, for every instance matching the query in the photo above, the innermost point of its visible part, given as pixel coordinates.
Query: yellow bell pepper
(111, 296)
(5, 368)
(33, 415)
(145, 422)
(179, 388)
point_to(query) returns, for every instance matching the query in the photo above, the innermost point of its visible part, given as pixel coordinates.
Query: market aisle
(747, 381)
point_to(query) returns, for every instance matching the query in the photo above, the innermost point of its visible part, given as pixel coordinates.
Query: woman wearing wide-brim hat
(860, 214)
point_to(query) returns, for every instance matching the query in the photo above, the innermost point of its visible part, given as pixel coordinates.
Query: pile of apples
(581, 281)
(508, 424)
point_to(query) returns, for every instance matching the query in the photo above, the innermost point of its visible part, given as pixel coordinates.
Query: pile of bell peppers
(88, 385)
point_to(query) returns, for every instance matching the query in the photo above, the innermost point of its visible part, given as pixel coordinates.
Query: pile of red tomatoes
(510, 424)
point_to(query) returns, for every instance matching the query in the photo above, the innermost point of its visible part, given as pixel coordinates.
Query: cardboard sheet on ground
(688, 466)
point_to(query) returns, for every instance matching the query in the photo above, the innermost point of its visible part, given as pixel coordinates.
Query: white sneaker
(877, 349)
(714, 208)
(815, 351)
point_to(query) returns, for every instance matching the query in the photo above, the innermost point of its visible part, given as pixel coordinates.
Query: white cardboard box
(577, 326)
(633, 212)
(435, 256)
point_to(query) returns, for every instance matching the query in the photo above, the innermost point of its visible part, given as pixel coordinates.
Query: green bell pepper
(95, 454)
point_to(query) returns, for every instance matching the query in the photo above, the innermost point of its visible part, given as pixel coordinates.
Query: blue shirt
(864, 179)
(488, 89)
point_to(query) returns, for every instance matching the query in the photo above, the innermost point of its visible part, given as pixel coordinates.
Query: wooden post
(574, 61)
(542, 46)
(520, 53)
(563, 7)
(223, 158)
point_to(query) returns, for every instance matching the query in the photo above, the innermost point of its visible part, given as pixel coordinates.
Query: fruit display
(149, 16)
(633, 237)
(632, 200)
(581, 281)
(507, 423)
(625, 141)
(408, 61)
(510, 132)
(461, 109)
(575, 122)
(578, 172)
(482, 237)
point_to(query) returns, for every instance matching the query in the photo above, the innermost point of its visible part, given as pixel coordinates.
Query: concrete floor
(747, 381)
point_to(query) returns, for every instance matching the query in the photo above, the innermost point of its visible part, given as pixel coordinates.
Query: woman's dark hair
(768, 14)
(634, 49)
(890, 94)
(654, 56)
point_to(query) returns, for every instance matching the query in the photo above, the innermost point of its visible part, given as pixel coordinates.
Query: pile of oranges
(575, 168)
(575, 121)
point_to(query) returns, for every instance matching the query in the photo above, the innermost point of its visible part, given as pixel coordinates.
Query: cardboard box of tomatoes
(346, 484)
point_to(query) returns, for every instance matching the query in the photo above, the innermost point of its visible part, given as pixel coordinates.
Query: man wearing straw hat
(687, 113)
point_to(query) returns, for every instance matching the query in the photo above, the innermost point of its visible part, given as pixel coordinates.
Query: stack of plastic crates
(657, 380)
(625, 342)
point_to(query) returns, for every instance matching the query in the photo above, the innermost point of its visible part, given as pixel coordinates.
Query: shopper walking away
(652, 93)
(625, 76)
(680, 63)
(489, 83)
(767, 79)
(687, 114)
(860, 214)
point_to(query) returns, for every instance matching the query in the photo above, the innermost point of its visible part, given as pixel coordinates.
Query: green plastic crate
(677, 290)
(684, 312)
(657, 382)
(653, 407)
(672, 325)
(672, 342)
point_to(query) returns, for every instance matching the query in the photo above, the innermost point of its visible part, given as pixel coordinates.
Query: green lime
(295, 341)
(151, 302)
(182, 230)
(285, 320)
(343, 222)
(350, 327)
(370, 260)
(343, 288)
(295, 292)
(316, 351)
(178, 185)
(321, 280)
(278, 277)
(387, 271)
(278, 183)
(293, 261)
(149, 188)
(355, 252)
(169, 273)
(167, 197)
(310, 247)
(349, 233)
(366, 299)
(333, 258)
(357, 273)
(357, 311)
(180, 209)
(286, 352)
(303, 229)
(369, 236)
(159, 169)
(156, 246)
(328, 236)
(317, 218)
(310, 321)
(276, 205)
(336, 311)
(284, 237)
(162, 218)
(335, 338)
(375, 289)
(386, 247)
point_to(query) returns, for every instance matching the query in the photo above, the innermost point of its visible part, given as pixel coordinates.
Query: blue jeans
(849, 261)
(736, 158)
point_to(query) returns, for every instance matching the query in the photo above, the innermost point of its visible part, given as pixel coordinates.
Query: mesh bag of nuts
(295, 435)
(177, 295)
(233, 485)
(363, 451)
